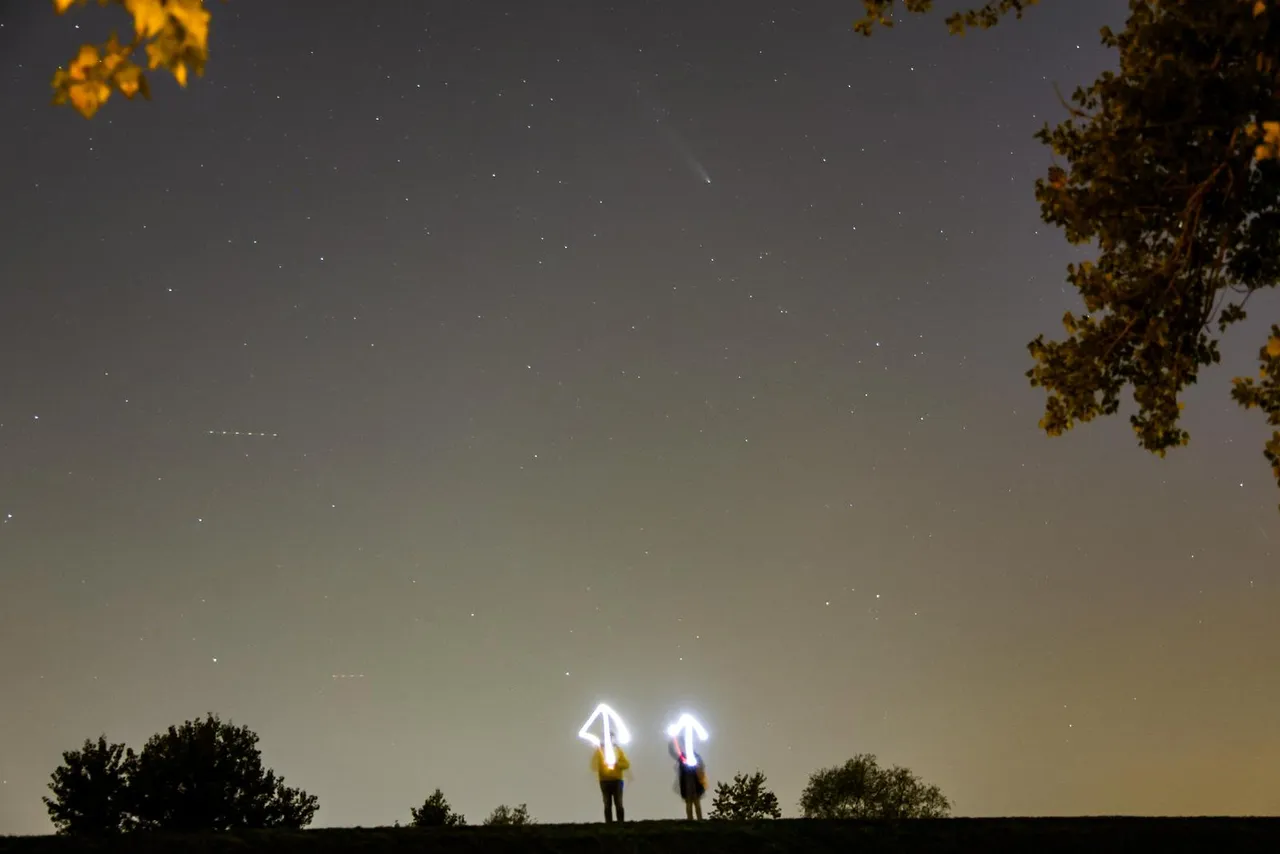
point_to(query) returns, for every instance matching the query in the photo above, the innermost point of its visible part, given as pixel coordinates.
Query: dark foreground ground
(982, 836)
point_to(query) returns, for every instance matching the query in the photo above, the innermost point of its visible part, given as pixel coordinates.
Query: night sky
(429, 372)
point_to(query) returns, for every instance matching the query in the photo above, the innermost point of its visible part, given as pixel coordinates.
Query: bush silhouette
(436, 812)
(745, 799)
(862, 789)
(505, 816)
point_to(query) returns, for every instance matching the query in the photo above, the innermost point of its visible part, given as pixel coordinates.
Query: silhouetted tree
(509, 816)
(207, 775)
(436, 812)
(862, 789)
(91, 790)
(745, 799)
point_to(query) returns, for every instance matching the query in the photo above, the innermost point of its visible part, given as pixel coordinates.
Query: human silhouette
(691, 780)
(610, 777)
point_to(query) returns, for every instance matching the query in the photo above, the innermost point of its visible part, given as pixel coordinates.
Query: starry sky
(429, 372)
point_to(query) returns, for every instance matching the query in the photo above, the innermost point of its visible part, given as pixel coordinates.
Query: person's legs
(617, 799)
(697, 807)
(606, 792)
(688, 809)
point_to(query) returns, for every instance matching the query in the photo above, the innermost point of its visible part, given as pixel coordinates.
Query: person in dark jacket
(691, 780)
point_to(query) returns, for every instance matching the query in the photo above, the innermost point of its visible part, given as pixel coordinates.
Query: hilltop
(982, 836)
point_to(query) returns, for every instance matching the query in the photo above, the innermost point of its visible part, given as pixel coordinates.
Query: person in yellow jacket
(610, 777)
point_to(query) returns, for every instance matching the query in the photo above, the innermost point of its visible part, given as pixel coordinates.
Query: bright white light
(689, 726)
(610, 722)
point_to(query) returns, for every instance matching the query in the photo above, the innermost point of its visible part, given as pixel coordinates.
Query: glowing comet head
(615, 732)
(688, 726)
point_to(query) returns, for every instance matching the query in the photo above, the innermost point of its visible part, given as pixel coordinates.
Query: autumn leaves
(174, 35)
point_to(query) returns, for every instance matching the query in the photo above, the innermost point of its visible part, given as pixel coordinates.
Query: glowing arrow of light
(610, 720)
(688, 725)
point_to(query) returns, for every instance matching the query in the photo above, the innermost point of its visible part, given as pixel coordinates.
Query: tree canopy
(1169, 171)
(745, 799)
(862, 789)
(204, 775)
(91, 790)
(208, 775)
(173, 34)
(436, 812)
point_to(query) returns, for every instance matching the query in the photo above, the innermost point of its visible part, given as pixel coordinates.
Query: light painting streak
(689, 725)
(609, 719)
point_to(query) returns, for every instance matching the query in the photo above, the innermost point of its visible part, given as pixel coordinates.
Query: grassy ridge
(981, 836)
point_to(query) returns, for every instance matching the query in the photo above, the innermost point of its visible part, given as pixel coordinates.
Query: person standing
(691, 780)
(610, 777)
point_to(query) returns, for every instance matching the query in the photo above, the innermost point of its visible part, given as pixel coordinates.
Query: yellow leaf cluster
(1268, 147)
(148, 16)
(174, 34)
(1273, 348)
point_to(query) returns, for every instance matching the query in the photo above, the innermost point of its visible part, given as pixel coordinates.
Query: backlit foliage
(1169, 170)
(880, 13)
(1264, 393)
(173, 35)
